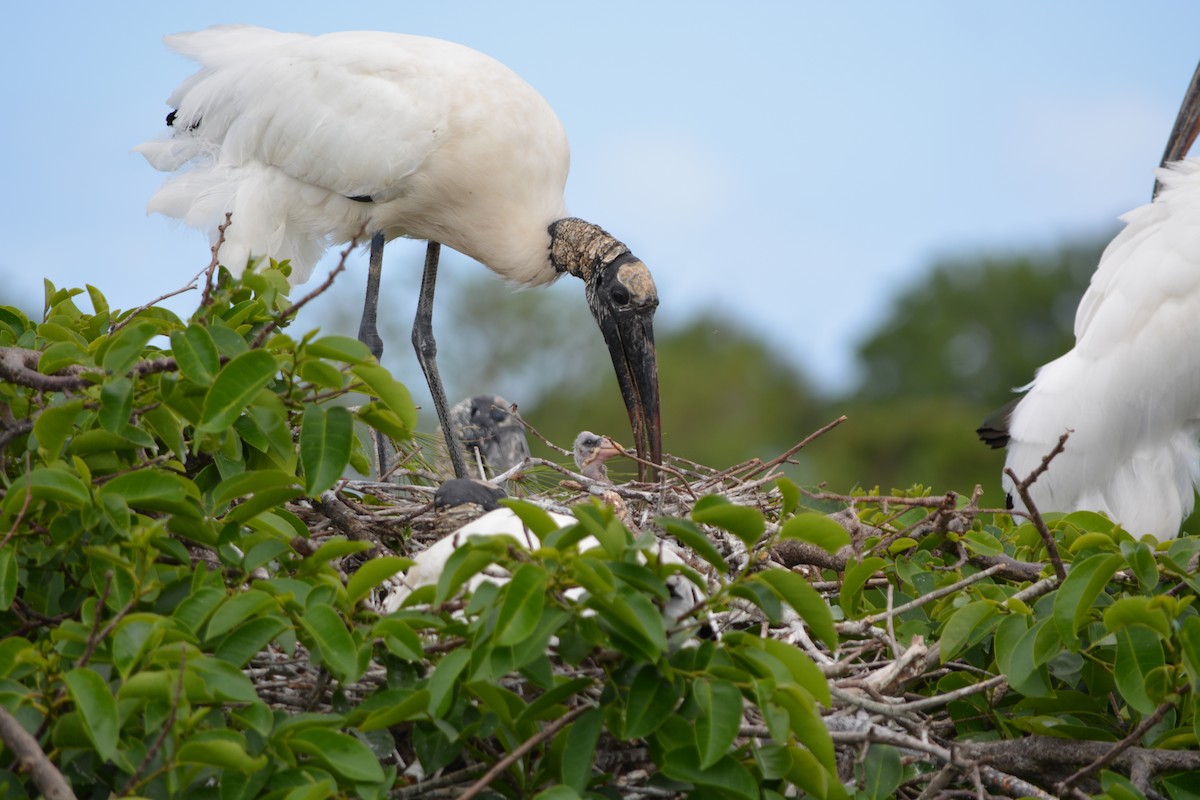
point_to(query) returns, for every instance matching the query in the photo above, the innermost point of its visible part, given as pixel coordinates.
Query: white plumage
(503, 523)
(282, 129)
(309, 141)
(1130, 388)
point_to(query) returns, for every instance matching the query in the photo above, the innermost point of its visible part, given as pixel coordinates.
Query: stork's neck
(581, 248)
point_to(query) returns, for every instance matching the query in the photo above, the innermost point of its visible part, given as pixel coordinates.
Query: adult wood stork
(1129, 390)
(308, 140)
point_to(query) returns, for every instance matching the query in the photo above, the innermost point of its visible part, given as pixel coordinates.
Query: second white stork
(1129, 390)
(308, 140)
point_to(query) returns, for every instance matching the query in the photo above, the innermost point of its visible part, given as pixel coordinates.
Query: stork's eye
(620, 295)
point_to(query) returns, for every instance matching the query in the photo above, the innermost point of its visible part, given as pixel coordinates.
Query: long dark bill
(630, 338)
(1187, 126)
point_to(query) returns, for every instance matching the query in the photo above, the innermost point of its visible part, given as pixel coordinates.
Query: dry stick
(1022, 487)
(30, 757)
(167, 725)
(1117, 749)
(211, 269)
(524, 748)
(133, 314)
(295, 307)
(669, 470)
(779, 459)
(529, 427)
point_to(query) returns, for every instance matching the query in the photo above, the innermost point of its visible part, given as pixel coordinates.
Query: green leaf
(579, 751)
(414, 705)
(1140, 558)
(196, 354)
(54, 425)
(856, 576)
(720, 705)
(533, 517)
(393, 394)
(340, 754)
(652, 699)
(340, 348)
(727, 775)
(789, 493)
(694, 539)
(326, 438)
(1075, 597)
(445, 675)
(44, 483)
(61, 355)
(248, 639)
(238, 609)
(8, 577)
(373, 573)
(154, 490)
(524, 599)
(804, 600)
(1189, 640)
(97, 709)
(125, 348)
(802, 668)
(338, 651)
(816, 529)
(116, 404)
(1138, 610)
(882, 772)
(234, 387)
(967, 626)
(226, 752)
(1139, 652)
(744, 522)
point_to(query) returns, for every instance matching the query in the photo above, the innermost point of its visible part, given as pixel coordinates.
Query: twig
(30, 757)
(167, 725)
(791, 451)
(132, 315)
(521, 750)
(299, 304)
(1120, 747)
(1035, 516)
(210, 270)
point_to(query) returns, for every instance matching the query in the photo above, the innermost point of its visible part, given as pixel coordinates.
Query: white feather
(282, 129)
(1130, 388)
(431, 562)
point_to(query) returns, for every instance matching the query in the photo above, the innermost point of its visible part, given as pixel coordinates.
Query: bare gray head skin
(485, 423)
(622, 297)
(591, 451)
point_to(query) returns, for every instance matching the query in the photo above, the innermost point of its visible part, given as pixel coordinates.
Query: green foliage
(154, 550)
(160, 574)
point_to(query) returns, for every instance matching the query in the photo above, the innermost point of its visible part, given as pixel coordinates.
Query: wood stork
(308, 140)
(503, 523)
(1129, 390)
(591, 451)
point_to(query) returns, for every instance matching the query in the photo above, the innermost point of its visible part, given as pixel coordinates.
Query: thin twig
(211, 269)
(293, 309)
(521, 750)
(30, 757)
(1120, 747)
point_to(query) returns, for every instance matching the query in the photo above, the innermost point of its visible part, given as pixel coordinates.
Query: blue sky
(792, 164)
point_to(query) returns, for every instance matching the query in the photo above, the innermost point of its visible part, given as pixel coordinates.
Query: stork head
(621, 294)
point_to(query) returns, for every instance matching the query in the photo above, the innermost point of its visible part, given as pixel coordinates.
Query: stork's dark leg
(368, 333)
(426, 347)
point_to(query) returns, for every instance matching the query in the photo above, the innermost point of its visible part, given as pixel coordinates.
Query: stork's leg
(368, 333)
(426, 347)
